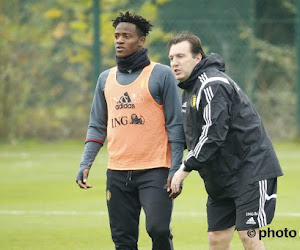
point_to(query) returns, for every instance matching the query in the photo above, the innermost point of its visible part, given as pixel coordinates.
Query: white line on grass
(44, 212)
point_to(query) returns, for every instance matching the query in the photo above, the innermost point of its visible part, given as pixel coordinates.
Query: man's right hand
(82, 178)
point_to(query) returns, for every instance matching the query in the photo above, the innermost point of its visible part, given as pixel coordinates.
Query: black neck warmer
(137, 61)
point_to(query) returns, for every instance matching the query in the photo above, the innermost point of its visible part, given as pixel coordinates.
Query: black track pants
(127, 193)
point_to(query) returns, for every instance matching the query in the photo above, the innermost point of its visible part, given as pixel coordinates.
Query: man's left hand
(172, 194)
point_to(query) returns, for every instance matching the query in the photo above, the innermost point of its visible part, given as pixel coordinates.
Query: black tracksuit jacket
(225, 136)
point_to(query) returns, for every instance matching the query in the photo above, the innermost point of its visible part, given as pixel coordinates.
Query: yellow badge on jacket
(193, 101)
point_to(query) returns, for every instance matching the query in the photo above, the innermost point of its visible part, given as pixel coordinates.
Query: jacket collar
(213, 60)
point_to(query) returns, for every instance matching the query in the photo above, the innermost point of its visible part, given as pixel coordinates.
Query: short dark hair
(143, 25)
(194, 41)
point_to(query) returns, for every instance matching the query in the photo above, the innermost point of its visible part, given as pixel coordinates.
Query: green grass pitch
(42, 208)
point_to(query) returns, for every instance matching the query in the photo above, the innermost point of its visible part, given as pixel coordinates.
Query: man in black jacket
(228, 145)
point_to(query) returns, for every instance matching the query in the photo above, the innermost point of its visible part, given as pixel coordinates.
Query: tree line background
(46, 57)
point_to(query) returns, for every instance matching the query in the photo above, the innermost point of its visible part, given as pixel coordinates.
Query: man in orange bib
(137, 108)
